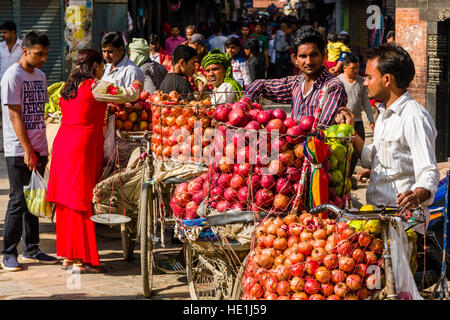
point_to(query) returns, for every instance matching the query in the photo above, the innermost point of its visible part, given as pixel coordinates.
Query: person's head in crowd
(286, 27)
(217, 28)
(189, 30)
(232, 47)
(113, 47)
(351, 66)
(332, 37)
(89, 65)
(309, 48)
(154, 42)
(218, 69)
(8, 31)
(175, 31)
(199, 44)
(389, 68)
(184, 59)
(251, 47)
(390, 37)
(344, 38)
(259, 28)
(35, 47)
(245, 30)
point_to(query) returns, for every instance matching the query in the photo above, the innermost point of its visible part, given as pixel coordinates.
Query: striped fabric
(289, 90)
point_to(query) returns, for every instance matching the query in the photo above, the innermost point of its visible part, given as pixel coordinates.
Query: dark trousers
(359, 128)
(19, 222)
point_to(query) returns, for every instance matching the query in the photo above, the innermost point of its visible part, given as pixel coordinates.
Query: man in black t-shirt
(183, 66)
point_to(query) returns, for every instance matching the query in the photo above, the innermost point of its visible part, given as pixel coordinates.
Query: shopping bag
(35, 193)
(400, 254)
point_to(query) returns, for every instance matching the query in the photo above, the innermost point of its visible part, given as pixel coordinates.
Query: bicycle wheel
(146, 217)
(208, 278)
(127, 243)
(237, 288)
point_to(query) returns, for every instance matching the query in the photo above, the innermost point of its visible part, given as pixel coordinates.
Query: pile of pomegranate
(308, 258)
(187, 197)
(181, 129)
(134, 116)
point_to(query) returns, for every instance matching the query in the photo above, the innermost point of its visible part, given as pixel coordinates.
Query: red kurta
(75, 169)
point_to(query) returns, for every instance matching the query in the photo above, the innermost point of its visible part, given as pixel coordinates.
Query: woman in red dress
(77, 159)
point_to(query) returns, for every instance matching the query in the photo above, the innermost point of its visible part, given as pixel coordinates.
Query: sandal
(81, 268)
(66, 264)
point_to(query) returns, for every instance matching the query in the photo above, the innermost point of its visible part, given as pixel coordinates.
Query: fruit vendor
(120, 70)
(402, 156)
(219, 74)
(303, 91)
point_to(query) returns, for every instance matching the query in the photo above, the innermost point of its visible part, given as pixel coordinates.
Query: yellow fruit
(367, 207)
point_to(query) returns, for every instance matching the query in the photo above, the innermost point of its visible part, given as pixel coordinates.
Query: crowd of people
(290, 66)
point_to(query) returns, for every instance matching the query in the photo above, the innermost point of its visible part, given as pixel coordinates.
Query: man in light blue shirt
(119, 70)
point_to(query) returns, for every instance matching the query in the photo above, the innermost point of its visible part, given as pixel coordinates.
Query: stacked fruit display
(308, 258)
(340, 184)
(134, 116)
(252, 166)
(182, 130)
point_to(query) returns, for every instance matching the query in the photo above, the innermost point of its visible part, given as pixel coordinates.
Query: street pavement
(122, 279)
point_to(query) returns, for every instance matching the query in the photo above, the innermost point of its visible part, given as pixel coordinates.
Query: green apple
(346, 130)
(339, 151)
(338, 189)
(334, 162)
(337, 178)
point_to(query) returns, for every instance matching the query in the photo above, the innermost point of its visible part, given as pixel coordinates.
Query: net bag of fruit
(35, 193)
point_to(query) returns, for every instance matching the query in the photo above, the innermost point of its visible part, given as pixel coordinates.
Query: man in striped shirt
(303, 91)
(402, 156)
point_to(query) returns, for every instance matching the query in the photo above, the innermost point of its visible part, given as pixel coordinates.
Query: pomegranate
(322, 274)
(341, 289)
(243, 194)
(306, 123)
(300, 296)
(264, 117)
(230, 195)
(312, 286)
(280, 202)
(327, 289)
(276, 125)
(305, 248)
(263, 198)
(297, 270)
(222, 205)
(320, 234)
(331, 261)
(364, 239)
(297, 284)
(283, 186)
(280, 243)
(337, 276)
(354, 282)
(346, 264)
(289, 123)
(267, 181)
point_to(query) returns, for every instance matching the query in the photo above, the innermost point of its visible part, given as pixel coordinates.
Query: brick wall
(411, 34)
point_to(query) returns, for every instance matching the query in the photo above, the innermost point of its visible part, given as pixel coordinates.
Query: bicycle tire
(145, 237)
(237, 289)
(198, 277)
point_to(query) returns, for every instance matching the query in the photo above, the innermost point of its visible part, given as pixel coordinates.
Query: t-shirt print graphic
(33, 104)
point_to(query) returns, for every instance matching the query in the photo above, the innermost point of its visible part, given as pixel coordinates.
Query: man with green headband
(219, 74)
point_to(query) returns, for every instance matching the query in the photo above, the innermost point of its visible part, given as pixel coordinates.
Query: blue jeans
(19, 222)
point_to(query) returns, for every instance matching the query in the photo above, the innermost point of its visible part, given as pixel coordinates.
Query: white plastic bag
(110, 142)
(35, 193)
(400, 254)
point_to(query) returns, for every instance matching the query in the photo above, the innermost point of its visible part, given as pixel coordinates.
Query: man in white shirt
(120, 70)
(402, 156)
(11, 48)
